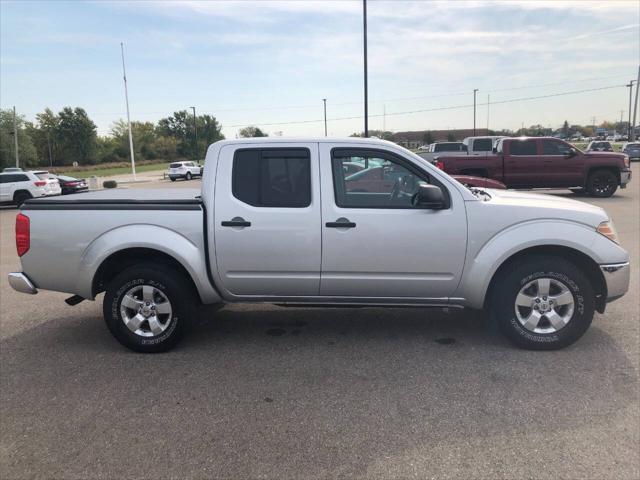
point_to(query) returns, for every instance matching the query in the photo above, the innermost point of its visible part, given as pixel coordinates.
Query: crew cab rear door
(523, 165)
(374, 242)
(267, 219)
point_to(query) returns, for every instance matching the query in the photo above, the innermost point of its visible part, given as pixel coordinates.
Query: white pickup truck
(278, 221)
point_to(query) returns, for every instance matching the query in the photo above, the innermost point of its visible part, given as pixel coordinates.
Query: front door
(562, 164)
(267, 220)
(374, 243)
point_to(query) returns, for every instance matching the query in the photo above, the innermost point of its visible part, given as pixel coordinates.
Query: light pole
(126, 97)
(631, 82)
(635, 109)
(366, 87)
(195, 134)
(475, 90)
(15, 137)
(324, 101)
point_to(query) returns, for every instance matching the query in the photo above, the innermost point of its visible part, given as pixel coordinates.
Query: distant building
(417, 139)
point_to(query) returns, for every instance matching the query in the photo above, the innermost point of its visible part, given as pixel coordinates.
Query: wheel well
(18, 192)
(119, 261)
(614, 170)
(581, 260)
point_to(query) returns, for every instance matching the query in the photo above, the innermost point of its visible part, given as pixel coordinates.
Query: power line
(434, 109)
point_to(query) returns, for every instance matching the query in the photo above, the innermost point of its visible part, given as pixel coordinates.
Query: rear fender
(189, 255)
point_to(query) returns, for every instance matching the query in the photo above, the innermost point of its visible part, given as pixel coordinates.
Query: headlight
(608, 230)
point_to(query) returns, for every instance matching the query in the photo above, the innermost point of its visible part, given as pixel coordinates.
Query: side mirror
(429, 196)
(571, 153)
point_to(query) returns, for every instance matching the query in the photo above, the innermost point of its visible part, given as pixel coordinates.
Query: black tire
(188, 176)
(578, 191)
(20, 198)
(160, 278)
(530, 270)
(173, 179)
(602, 183)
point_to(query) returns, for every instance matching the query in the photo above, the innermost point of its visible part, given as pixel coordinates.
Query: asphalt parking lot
(269, 392)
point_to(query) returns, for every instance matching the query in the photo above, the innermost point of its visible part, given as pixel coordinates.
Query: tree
(26, 150)
(180, 127)
(451, 137)
(251, 131)
(76, 137)
(427, 138)
(144, 139)
(565, 129)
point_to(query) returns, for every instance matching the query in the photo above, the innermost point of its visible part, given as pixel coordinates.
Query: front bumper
(21, 283)
(625, 177)
(616, 276)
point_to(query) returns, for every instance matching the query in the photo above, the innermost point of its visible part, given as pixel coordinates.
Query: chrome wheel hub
(544, 305)
(145, 310)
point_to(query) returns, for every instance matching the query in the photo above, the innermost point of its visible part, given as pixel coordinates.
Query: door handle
(236, 222)
(341, 223)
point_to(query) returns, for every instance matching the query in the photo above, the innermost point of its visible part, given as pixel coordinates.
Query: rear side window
(523, 147)
(175, 165)
(482, 145)
(450, 147)
(272, 177)
(13, 177)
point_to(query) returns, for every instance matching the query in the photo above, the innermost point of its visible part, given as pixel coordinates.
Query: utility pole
(488, 102)
(593, 122)
(126, 98)
(15, 137)
(366, 86)
(635, 109)
(384, 118)
(631, 82)
(475, 90)
(195, 133)
(324, 102)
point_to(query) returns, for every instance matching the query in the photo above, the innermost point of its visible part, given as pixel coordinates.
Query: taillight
(439, 164)
(40, 183)
(23, 234)
(626, 161)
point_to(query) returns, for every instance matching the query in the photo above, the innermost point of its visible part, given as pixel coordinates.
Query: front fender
(189, 254)
(482, 264)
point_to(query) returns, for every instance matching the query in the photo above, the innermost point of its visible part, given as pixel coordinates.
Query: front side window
(272, 177)
(555, 147)
(523, 147)
(385, 183)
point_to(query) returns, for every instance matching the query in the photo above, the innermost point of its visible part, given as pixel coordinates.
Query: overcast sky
(268, 63)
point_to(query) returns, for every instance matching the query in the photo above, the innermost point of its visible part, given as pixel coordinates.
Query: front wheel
(147, 307)
(602, 183)
(543, 303)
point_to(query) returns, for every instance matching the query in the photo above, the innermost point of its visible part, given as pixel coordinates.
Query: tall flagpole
(126, 97)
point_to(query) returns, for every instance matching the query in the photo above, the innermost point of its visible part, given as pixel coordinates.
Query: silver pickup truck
(287, 222)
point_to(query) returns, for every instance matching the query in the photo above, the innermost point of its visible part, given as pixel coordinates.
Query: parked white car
(16, 186)
(481, 146)
(186, 170)
(439, 148)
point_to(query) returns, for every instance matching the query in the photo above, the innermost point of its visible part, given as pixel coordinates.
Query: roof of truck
(306, 140)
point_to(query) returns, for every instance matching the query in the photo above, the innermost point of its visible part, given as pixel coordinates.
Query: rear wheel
(602, 183)
(147, 307)
(543, 303)
(21, 197)
(188, 176)
(173, 179)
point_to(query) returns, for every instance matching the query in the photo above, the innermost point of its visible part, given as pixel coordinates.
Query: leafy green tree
(76, 137)
(427, 138)
(26, 149)
(251, 131)
(451, 137)
(180, 127)
(144, 139)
